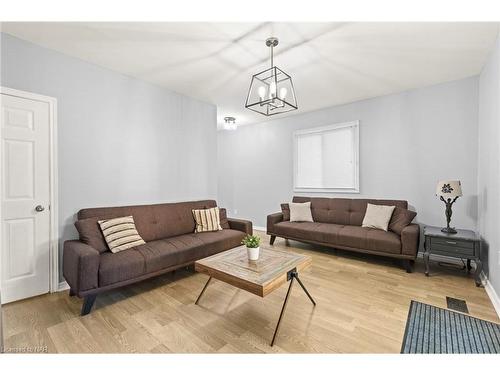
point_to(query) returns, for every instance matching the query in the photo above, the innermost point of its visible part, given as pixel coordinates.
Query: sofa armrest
(410, 239)
(80, 266)
(273, 219)
(241, 225)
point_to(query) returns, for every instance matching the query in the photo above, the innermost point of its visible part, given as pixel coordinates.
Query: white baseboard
(494, 298)
(262, 229)
(63, 285)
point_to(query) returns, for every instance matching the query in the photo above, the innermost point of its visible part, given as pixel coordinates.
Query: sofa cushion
(116, 267)
(369, 239)
(285, 210)
(155, 221)
(330, 232)
(90, 233)
(320, 232)
(343, 211)
(300, 212)
(341, 235)
(385, 242)
(400, 219)
(224, 223)
(207, 220)
(377, 216)
(120, 233)
(215, 242)
(185, 248)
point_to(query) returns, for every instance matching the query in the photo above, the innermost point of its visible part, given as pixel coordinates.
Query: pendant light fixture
(271, 91)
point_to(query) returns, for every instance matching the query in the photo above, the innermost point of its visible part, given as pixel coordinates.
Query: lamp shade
(449, 189)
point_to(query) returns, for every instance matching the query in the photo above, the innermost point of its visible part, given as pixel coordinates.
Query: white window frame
(322, 129)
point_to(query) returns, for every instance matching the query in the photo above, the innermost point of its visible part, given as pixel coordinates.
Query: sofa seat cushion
(321, 232)
(116, 267)
(341, 235)
(369, 239)
(215, 242)
(187, 248)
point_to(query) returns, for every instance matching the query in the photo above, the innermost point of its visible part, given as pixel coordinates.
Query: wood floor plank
(362, 306)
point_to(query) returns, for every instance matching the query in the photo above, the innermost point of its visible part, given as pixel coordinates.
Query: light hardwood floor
(362, 306)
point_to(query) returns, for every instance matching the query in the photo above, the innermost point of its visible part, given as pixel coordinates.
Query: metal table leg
(282, 311)
(477, 274)
(203, 290)
(296, 276)
(292, 275)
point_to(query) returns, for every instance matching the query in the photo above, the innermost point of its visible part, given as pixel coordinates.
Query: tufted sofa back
(343, 211)
(153, 221)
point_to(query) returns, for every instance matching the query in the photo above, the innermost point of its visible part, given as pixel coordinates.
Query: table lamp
(449, 191)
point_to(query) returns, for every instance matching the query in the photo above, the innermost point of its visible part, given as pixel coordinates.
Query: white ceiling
(330, 63)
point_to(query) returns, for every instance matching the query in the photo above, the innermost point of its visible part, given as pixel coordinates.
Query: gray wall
(408, 141)
(489, 165)
(121, 141)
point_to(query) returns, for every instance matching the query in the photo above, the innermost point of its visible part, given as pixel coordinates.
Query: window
(326, 159)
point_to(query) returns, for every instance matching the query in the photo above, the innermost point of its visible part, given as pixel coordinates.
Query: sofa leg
(88, 302)
(271, 240)
(408, 265)
(71, 292)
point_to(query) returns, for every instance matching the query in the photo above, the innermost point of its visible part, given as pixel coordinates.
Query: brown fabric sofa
(337, 223)
(168, 230)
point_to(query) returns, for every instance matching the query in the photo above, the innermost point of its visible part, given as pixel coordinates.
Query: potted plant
(253, 246)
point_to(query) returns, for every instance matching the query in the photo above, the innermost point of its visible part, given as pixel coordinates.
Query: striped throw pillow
(120, 233)
(207, 220)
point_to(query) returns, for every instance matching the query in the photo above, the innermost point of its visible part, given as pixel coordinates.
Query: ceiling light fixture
(230, 123)
(271, 91)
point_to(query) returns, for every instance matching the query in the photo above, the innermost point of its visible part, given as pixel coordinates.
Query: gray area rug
(430, 329)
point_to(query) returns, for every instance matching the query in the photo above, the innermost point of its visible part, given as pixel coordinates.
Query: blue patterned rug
(430, 329)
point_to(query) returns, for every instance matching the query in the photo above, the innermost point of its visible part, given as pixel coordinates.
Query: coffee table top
(259, 277)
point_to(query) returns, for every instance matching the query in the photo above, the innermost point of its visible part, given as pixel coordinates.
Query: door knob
(39, 208)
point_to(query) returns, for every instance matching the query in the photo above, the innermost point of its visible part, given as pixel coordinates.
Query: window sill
(326, 190)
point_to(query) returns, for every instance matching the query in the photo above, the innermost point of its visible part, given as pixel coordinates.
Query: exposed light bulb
(262, 92)
(272, 90)
(283, 92)
(230, 123)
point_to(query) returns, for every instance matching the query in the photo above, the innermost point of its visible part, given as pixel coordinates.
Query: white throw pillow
(300, 211)
(377, 216)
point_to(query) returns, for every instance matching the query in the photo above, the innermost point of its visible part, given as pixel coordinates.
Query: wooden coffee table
(273, 269)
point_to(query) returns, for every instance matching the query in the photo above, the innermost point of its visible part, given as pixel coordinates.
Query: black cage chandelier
(271, 91)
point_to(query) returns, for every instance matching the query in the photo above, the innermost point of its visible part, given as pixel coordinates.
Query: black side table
(465, 244)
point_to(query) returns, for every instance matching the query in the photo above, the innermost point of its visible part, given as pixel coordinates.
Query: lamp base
(449, 230)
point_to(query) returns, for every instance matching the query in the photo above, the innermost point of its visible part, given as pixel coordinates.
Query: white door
(25, 198)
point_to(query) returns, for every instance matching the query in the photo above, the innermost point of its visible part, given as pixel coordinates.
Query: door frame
(53, 181)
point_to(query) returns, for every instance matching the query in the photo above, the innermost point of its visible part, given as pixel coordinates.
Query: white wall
(408, 141)
(489, 165)
(121, 140)
(166, 142)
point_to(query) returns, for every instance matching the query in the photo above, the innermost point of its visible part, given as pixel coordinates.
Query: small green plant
(251, 241)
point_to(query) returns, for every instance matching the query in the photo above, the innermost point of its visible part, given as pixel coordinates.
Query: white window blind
(327, 159)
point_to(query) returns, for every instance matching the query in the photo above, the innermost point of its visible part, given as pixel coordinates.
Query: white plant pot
(253, 253)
